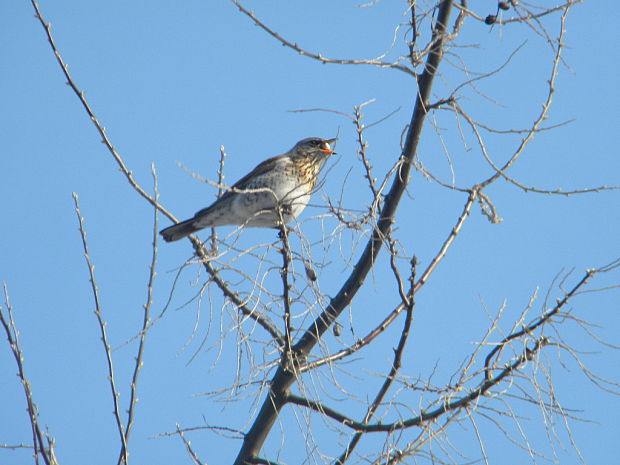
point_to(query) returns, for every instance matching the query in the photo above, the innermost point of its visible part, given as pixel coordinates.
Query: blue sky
(172, 83)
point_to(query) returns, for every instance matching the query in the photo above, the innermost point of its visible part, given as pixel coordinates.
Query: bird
(274, 192)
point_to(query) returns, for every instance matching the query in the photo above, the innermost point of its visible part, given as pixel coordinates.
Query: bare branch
(12, 335)
(104, 333)
(102, 132)
(146, 322)
(188, 447)
(317, 56)
(538, 322)
(409, 303)
(283, 379)
(545, 106)
(262, 320)
(449, 240)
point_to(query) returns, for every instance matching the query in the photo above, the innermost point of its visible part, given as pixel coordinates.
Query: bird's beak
(326, 148)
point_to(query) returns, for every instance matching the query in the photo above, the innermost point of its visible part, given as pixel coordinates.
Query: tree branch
(12, 335)
(283, 379)
(104, 334)
(409, 302)
(318, 56)
(262, 320)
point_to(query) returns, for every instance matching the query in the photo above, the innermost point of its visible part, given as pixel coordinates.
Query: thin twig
(359, 129)
(188, 447)
(542, 116)
(146, 321)
(317, 56)
(359, 344)
(538, 322)
(285, 251)
(449, 240)
(104, 335)
(12, 334)
(220, 191)
(408, 302)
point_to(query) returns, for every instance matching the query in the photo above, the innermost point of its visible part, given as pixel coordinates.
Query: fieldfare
(276, 191)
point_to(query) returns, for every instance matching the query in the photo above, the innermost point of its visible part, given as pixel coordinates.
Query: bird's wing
(261, 168)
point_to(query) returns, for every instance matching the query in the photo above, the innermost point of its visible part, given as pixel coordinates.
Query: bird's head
(314, 147)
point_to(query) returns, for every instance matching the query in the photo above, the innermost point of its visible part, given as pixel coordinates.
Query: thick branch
(424, 417)
(284, 378)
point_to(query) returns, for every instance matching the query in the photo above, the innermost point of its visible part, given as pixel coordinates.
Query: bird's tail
(179, 230)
